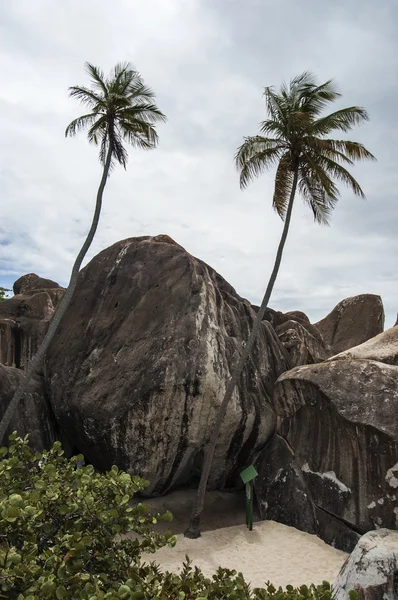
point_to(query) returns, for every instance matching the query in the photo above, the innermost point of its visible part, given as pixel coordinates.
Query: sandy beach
(272, 551)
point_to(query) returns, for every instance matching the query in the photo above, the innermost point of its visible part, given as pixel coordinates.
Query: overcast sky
(208, 62)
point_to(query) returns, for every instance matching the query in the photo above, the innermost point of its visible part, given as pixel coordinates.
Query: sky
(208, 62)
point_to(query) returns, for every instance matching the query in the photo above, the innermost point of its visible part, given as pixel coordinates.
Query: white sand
(272, 551)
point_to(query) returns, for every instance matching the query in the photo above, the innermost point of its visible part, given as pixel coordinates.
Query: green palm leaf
(122, 109)
(295, 133)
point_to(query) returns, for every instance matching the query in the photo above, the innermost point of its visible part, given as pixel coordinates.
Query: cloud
(208, 61)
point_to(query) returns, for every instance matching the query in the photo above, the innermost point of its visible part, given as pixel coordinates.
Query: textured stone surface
(303, 341)
(382, 347)
(280, 488)
(24, 318)
(303, 347)
(283, 495)
(31, 281)
(353, 321)
(371, 569)
(140, 363)
(33, 415)
(341, 420)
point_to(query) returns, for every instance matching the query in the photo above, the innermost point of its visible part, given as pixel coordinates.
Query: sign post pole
(247, 476)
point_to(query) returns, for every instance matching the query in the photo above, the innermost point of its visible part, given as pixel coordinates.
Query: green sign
(247, 476)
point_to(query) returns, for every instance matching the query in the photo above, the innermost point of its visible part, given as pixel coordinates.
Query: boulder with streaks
(34, 415)
(25, 317)
(353, 321)
(371, 569)
(139, 365)
(340, 420)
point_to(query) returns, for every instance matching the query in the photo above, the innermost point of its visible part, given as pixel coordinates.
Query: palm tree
(294, 138)
(121, 109)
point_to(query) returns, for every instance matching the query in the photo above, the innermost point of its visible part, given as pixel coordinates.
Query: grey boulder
(371, 569)
(139, 366)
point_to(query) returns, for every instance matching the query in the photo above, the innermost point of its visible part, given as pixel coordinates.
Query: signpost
(248, 476)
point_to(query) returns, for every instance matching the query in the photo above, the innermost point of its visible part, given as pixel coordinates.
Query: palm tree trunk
(193, 530)
(59, 313)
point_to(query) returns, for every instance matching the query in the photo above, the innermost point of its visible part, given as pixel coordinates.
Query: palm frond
(137, 89)
(80, 123)
(86, 96)
(97, 77)
(338, 172)
(122, 109)
(283, 185)
(118, 150)
(313, 165)
(343, 120)
(313, 99)
(352, 150)
(255, 156)
(313, 191)
(139, 133)
(327, 148)
(276, 106)
(144, 112)
(269, 126)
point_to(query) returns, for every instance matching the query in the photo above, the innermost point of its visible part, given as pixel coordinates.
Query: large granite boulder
(353, 321)
(139, 365)
(382, 347)
(340, 420)
(33, 416)
(25, 317)
(371, 569)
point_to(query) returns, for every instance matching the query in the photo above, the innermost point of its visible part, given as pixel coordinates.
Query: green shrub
(61, 537)
(61, 527)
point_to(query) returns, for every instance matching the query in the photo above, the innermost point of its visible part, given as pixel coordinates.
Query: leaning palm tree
(294, 138)
(121, 109)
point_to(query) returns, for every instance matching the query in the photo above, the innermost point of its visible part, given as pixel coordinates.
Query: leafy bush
(62, 537)
(61, 527)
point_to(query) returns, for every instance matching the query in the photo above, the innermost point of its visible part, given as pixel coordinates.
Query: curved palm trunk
(59, 313)
(193, 530)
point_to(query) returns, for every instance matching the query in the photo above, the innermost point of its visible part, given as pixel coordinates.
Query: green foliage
(225, 584)
(61, 528)
(294, 138)
(61, 537)
(3, 293)
(121, 109)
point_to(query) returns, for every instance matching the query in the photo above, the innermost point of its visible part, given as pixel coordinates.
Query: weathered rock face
(382, 347)
(371, 569)
(33, 415)
(25, 317)
(303, 347)
(340, 418)
(280, 485)
(353, 321)
(139, 366)
(283, 495)
(31, 281)
(303, 341)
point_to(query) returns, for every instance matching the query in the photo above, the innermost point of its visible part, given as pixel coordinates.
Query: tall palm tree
(121, 109)
(294, 138)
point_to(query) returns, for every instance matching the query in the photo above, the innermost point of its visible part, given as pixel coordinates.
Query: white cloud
(208, 61)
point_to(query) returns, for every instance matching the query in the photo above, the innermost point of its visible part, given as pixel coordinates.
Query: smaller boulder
(33, 416)
(303, 347)
(24, 318)
(353, 321)
(371, 569)
(31, 281)
(382, 347)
